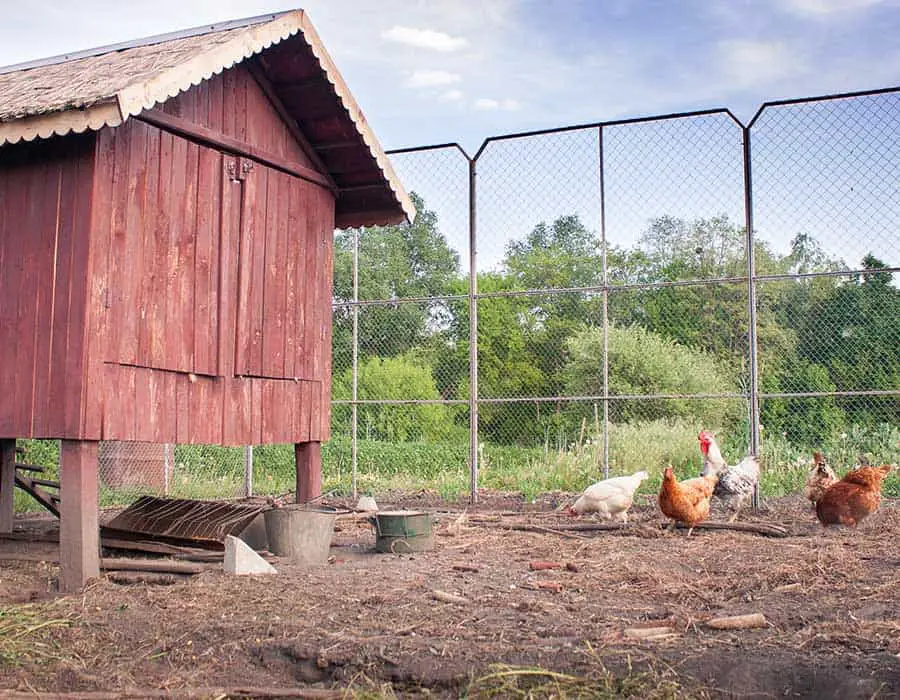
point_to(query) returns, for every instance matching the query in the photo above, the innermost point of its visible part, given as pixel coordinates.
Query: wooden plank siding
(45, 209)
(233, 104)
(154, 287)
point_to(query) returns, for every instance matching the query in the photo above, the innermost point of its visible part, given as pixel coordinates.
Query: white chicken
(610, 497)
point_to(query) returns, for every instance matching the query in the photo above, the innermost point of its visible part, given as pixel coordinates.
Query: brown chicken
(820, 477)
(852, 498)
(687, 501)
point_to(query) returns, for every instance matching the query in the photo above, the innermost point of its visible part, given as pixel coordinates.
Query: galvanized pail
(301, 532)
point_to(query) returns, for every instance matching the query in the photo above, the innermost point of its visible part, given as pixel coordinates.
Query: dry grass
(26, 632)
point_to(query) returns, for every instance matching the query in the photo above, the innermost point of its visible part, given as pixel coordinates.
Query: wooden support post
(308, 458)
(79, 527)
(7, 483)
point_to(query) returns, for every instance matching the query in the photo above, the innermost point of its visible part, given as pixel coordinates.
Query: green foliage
(402, 261)
(644, 363)
(399, 378)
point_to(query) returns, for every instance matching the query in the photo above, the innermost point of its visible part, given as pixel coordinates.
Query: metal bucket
(402, 531)
(301, 533)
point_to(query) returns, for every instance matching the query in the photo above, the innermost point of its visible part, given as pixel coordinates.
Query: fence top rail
(649, 118)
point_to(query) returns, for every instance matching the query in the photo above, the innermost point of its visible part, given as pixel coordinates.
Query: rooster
(820, 477)
(853, 498)
(611, 497)
(687, 501)
(735, 483)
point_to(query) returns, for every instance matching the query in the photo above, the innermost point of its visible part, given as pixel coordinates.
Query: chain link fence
(582, 301)
(625, 284)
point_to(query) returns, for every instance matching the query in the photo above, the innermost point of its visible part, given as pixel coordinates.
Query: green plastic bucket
(403, 531)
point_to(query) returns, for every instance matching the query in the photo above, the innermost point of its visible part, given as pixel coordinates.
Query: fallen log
(165, 566)
(738, 622)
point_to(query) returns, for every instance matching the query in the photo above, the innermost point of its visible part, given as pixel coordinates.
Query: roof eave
(356, 116)
(60, 123)
(141, 96)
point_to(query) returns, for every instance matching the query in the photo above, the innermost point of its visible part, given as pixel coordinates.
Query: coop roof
(105, 86)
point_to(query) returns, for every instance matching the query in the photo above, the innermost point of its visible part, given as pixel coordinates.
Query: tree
(405, 377)
(854, 332)
(644, 363)
(395, 262)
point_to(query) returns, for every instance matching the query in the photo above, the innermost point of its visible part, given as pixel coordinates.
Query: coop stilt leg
(79, 531)
(7, 483)
(308, 456)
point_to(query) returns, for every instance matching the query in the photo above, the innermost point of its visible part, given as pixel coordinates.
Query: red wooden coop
(167, 208)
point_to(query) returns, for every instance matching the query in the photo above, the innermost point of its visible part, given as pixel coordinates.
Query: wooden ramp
(35, 486)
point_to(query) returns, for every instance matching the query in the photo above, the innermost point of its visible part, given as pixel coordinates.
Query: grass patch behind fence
(218, 472)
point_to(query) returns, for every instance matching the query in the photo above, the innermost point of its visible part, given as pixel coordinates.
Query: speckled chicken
(736, 483)
(820, 477)
(610, 497)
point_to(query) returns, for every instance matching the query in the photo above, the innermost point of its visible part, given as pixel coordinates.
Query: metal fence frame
(753, 395)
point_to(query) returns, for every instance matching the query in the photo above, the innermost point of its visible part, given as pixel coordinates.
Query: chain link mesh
(651, 331)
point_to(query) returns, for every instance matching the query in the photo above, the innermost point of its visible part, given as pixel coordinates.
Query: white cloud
(826, 8)
(485, 103)
(425, 38)
(431, 78)
(451, 96)
(749, 64)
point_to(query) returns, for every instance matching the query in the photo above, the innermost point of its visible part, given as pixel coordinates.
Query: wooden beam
(79, 530)
(208, 137)
(7, 483)
(308, 458)
(336, 145)
(271, 92)
(352, 219)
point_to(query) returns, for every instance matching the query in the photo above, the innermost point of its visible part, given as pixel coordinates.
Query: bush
(400, 378)
(644, 363)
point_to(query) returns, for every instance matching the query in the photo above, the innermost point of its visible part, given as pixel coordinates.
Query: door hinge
(238, 169)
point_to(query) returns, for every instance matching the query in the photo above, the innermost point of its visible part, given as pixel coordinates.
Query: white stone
(366, 503)
(241, 559)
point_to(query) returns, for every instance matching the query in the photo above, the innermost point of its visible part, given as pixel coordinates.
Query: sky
(430, 71)
(435, 71)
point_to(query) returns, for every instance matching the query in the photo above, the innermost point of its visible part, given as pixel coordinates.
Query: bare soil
(369, 622)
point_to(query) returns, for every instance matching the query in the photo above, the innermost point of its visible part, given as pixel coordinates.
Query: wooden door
(165, 254)
(283, 265)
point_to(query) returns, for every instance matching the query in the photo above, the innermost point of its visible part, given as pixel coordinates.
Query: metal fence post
(605, 272)
(753, 350)
(354, 409)
(473, 338)
(248, 470)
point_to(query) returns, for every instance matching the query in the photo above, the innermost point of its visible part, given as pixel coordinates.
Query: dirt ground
(368, 624)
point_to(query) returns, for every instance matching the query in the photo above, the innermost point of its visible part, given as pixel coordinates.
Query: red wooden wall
(208, 313)
(45, 210)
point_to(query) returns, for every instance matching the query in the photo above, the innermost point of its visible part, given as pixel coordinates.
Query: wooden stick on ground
(738, 622)
(445, 597)
(132, 577)
(754, 528)
(166, 566)
(534, 528)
